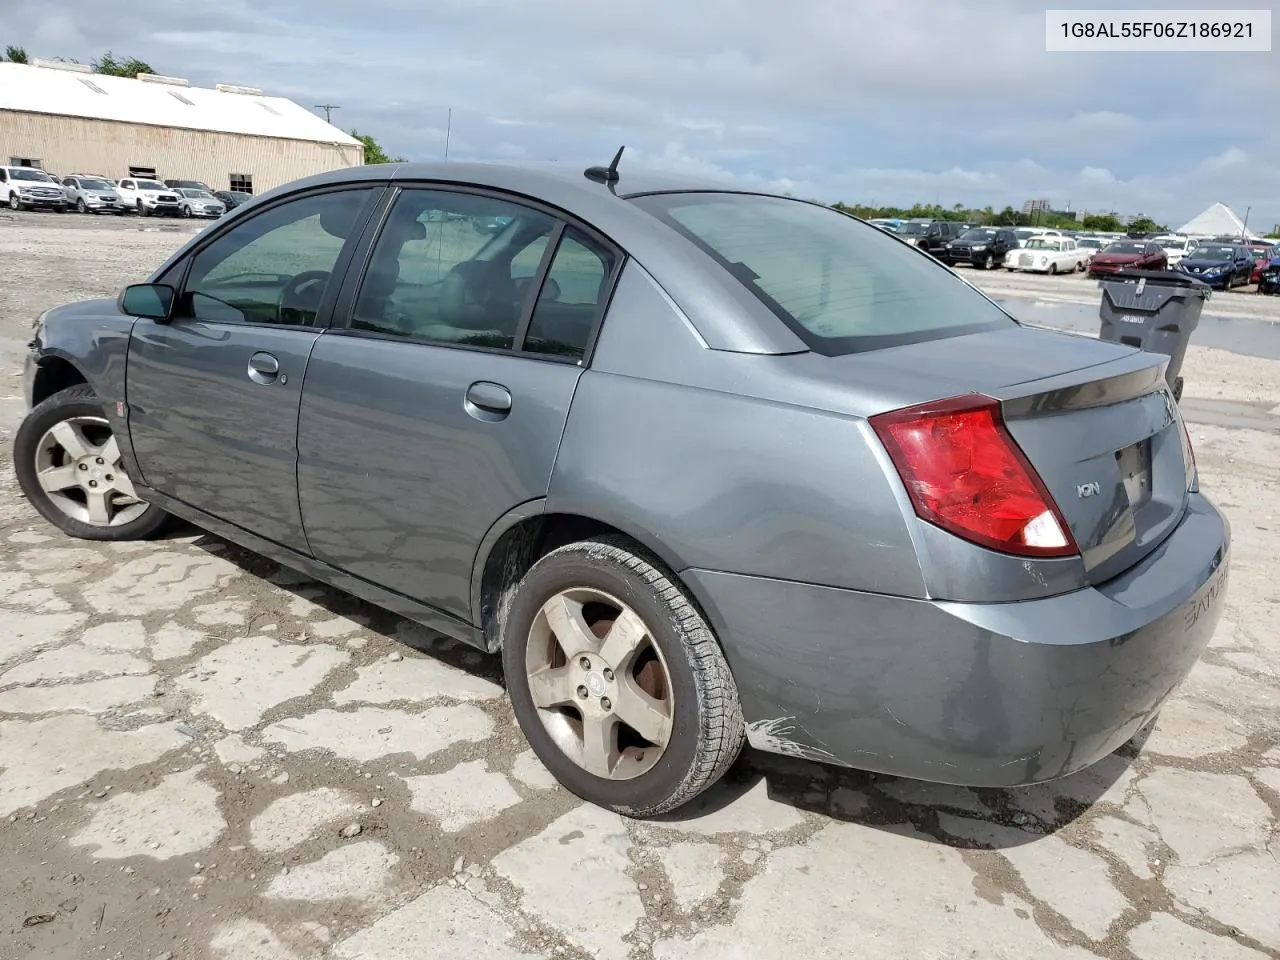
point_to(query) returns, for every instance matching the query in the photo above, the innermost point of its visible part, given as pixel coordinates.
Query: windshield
(976, 236)
(1173, 244)
(914, 229)
(196, 194)
(1093, 244)
(238, 194)
(1123, 247)
(1042, 244)
(95, 185)
(1215, 253)
(151, 185)
(838, 284)
(27, 173)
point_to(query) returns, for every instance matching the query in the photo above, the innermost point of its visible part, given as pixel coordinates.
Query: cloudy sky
(876, 101)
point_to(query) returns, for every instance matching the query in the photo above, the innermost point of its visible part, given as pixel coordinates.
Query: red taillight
(964, 473)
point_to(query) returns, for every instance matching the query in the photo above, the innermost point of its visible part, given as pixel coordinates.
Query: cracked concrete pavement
(205, 756)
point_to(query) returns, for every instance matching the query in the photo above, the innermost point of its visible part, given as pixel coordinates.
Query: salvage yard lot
(205, 756)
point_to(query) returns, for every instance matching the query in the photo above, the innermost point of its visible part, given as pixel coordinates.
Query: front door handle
(488, 401)
(263, 368)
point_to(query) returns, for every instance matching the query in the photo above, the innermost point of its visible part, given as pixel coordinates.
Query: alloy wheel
(599, 683)
(77, 464)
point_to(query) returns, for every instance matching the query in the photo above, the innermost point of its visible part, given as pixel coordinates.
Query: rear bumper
(977, 694)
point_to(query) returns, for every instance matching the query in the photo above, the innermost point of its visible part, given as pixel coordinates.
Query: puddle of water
(1253, 338)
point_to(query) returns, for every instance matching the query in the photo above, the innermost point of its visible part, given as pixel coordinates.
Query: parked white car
(148, 198)
(199, 203)
(1047, 253)
(1177, 247)
(26, 188)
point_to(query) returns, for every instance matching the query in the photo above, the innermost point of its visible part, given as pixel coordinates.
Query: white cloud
(860, 100)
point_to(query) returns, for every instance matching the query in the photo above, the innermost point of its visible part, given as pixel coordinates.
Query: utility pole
(328, 109)
(1244, 227)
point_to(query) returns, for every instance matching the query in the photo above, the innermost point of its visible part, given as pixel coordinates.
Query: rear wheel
(68, 464)
(617, 681)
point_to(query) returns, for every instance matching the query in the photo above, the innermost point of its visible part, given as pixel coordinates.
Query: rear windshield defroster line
(841, 285)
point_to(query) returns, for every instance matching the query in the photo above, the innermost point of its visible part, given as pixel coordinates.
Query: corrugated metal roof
(98, 97)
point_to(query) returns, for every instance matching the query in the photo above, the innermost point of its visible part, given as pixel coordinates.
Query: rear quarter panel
(674, 444)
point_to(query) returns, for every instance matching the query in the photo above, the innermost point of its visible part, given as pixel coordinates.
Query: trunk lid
(1108, 445)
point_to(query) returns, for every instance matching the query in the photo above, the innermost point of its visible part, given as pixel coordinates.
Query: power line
(328, 109)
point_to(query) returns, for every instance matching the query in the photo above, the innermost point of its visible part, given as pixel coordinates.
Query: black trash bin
(1154, 310)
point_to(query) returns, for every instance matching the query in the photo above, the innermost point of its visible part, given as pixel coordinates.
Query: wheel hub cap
(77, 464)
(599, 683)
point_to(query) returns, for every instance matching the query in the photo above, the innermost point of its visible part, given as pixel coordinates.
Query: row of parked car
(1223, 262)
(29, 188)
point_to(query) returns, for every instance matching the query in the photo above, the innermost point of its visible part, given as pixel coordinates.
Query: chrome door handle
(263, 368)
(487, 401)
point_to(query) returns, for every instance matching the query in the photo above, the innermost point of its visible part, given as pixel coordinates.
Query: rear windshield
(840, 284)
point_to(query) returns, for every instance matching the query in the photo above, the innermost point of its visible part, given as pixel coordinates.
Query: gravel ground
(205, 756)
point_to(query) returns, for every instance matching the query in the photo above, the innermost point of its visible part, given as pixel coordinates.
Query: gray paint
(979, 694)
(398, 481)
(702, 428)
(206, 434)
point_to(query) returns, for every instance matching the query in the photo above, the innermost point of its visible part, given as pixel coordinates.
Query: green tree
(14, 54)
(130, 67)
(1105, 224)
(373, 152)
(1145, 225)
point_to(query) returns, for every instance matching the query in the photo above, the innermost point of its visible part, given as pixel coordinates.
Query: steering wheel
(300, 296)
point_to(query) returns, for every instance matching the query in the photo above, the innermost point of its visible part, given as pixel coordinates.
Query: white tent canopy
(1217, 220)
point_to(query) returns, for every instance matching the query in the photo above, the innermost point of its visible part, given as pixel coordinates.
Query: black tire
(120, 212)
(708, 730)
(60, 209)
(81, 206)
(1053, 269)
(1010, 269)
(143, 211)
(988, 262)
(14, 202)
(77, 401)
(186, 213)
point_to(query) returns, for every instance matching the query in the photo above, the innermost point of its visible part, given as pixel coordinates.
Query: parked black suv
(939, 234)
(983, 247)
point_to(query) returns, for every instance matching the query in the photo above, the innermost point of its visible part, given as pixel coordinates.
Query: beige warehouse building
(66, 120)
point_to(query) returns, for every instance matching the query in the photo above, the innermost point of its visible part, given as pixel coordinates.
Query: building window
(143, 173)
(180, 97)
(242, 182)
(24, 162)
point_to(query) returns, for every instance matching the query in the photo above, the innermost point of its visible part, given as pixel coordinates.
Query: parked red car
(1129, 255)
(1262, 255)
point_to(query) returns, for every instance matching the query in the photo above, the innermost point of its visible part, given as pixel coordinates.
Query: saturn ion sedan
(704, 466)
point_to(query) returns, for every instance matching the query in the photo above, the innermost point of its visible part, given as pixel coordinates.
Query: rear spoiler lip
(1099, 385)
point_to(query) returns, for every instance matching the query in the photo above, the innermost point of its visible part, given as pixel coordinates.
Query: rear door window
(840, 284)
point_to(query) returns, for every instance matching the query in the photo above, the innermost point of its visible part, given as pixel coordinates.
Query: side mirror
(152, 301)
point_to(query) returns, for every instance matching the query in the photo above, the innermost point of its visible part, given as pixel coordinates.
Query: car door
(213, 393)
(439, 405)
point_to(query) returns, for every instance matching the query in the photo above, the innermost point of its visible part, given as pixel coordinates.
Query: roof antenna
(607, 174)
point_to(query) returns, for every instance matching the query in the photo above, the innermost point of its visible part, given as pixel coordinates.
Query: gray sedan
(704, 466)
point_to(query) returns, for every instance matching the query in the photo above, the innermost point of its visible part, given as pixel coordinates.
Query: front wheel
(143, 211)
(186, 212)
(81, 206)
(988, 262)
(68, 464)
(617, 681)
(61, 208)
(14, 202)
(1053, 269)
